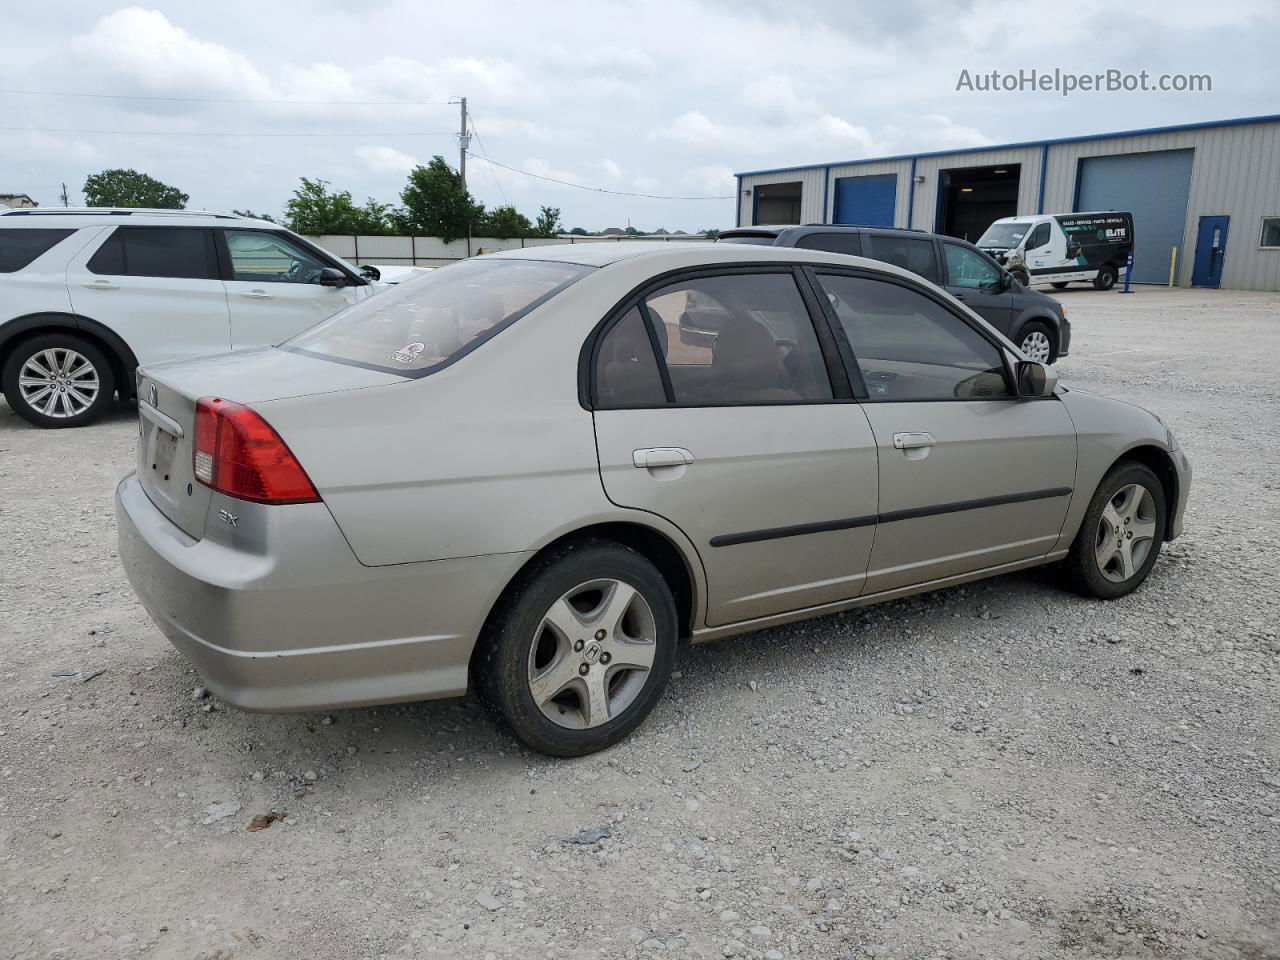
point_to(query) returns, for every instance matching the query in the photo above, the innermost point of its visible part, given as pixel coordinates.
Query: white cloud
(715, 180)
(606, 166)
(386, 159)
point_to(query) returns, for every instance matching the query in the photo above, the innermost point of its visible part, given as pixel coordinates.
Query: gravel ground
(1003, 770)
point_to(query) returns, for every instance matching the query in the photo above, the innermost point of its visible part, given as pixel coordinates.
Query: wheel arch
(672, 562)
(119, 355)
(1031, 315)
(1161, 464)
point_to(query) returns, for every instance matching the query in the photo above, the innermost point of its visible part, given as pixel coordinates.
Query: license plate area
(164, 447)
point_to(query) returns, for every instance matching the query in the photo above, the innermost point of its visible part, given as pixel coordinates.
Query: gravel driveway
(1000, 770)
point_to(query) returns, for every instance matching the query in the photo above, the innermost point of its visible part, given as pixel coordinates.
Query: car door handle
(651, 457)
(912, 441)
(256, 294)
(101, 285)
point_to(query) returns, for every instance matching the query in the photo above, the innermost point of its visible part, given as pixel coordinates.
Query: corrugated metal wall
(1236, 173)
(810, 179)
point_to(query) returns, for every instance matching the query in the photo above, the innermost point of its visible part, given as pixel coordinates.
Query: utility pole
(464, 141)
(65, 202)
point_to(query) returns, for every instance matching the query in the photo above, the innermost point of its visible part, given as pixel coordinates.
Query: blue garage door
(866, 200)
(1154, 187)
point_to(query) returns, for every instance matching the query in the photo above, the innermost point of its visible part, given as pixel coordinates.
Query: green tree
(549, 224)
(435, 204)
(255, 216)
(315, 210)
(505, 222)
(129, 188)
(712, 234)
(579, 232)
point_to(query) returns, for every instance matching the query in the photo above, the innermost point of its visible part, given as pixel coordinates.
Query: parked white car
(86, 295)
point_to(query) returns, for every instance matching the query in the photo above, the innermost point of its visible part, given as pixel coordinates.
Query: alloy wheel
(1036, 346)
(59, 382)
(1126, 532)
(592, 654)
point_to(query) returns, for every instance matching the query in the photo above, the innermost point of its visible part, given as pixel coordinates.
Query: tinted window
(738, 338)
(1039, 237)
(20, 246)
(909, 347)
(910, 253)
(261, 257)
(425, 322)
(969, 268)
(1270, 232)
(764, 240)
(155, 252)
(626, 371)
(832, 243)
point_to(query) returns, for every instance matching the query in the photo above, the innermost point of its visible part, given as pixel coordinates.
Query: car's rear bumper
(307, 626)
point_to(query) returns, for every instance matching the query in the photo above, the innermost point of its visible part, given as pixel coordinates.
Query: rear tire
(579, 648)
(1121, 534)
(1106, 278)
(58, 380)
(1060, 285)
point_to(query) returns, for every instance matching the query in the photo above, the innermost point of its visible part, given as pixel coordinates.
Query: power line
(129, 96)
(222, 133)
(496, 182)
(580, 186)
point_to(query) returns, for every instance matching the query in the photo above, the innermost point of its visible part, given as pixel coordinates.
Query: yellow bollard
(1173, 264)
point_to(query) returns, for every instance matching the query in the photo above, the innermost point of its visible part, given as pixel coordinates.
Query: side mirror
(370, 272)
(1035, 379)
(332, 277)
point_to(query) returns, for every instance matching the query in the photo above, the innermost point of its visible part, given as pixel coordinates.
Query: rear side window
(738, 339)
(909, 253)
(176, 252)
(627, 374)
(430, 321)
(20, 246)
(832, 243)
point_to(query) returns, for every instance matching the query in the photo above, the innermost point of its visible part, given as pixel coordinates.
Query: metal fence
(434, 252)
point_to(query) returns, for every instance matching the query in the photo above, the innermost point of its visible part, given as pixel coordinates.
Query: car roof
(135, 216)
(662, 256)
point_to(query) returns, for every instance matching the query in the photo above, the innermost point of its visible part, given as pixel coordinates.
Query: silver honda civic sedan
(536, 473)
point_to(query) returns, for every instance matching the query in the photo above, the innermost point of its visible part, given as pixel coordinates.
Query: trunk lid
(167, 395)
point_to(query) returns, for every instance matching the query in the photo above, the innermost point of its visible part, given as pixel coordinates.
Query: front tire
(1038, 342)
(579, 648)
(1121, 534)
(58, 380)
(1106, 278)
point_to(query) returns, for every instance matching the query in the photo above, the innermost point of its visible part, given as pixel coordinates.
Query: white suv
(86, 295)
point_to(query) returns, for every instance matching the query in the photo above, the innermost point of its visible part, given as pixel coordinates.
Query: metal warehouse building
(1204, 196)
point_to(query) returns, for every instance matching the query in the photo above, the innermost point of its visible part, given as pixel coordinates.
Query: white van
(1057, 248)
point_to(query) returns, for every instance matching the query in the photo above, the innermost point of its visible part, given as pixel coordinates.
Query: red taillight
(236, 452)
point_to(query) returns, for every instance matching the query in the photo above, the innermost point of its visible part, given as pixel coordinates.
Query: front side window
(175, 252)
(968, 268)
(1039, 237)
(909, 347)
(1270, 232)
(909, 253)
(260, 257)
(21, 245)
(424, 323)
(738, 339)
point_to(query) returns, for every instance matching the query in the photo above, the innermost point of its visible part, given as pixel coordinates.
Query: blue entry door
(868, 201)
(1211, 252)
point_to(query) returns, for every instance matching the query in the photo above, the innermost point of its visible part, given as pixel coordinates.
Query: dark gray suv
(1035, 322)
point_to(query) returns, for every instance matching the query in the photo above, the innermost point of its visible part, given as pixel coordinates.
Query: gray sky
(659, 98)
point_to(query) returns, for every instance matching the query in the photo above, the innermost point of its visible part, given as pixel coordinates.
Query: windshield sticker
(408, 353)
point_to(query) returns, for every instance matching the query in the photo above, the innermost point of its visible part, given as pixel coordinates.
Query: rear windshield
(429, 321)
(20, 245)
(1006, 235)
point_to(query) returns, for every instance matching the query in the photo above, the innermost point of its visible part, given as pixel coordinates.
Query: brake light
(236, 452)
